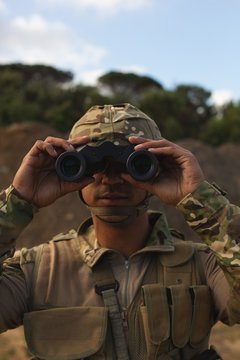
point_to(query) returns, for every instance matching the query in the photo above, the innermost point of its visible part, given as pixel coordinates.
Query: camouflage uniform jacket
(206, 211)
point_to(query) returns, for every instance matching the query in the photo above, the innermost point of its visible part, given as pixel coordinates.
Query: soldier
(123, 286)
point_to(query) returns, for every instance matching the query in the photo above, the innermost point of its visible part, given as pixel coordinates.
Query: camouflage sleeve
(14, 293)
(15, 214)
(209, 213)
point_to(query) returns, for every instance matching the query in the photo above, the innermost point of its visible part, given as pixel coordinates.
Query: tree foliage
(126, 87)
(48, 95)
(42, 93)
(34, 73)
(224, 128)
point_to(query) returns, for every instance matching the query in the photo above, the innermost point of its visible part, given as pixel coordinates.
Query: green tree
(181, 113)
(33, 73)
(26, 92)
(194, 109)
(46, 94)
(126, 87)
(224, 128)
(163, 107)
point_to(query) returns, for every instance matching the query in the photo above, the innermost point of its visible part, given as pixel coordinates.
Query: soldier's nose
(111, 173)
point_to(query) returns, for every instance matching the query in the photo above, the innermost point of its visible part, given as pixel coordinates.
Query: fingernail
(139, 146)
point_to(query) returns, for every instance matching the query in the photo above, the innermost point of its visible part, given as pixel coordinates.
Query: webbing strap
(110, 301)
(107, 286)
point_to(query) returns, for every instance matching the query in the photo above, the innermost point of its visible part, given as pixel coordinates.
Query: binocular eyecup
(73, 166)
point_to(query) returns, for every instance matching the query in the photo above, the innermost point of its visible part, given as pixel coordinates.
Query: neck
(125, 239)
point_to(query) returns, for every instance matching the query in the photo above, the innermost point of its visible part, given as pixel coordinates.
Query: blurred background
(177, 60)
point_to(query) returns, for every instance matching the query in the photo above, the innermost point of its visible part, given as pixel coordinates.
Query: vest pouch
(156, 320)
(181, 314)
(177, 265)
(66, 333)
(202, 320)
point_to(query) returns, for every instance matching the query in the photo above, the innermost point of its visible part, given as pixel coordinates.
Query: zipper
(124, 318)
(125, 295)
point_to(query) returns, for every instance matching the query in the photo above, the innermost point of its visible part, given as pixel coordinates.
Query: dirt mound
(220, 165)
(66, 213)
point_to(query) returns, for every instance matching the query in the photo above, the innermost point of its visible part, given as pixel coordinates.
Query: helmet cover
(115, 123)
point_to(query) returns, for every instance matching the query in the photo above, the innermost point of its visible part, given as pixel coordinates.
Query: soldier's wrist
(15, 209)
(13, 192)
(205, 201)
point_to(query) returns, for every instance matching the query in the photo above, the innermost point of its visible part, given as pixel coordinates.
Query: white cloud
(3, 7)
(101, 6)
(90, 77)
(221, 97)
(35, 40)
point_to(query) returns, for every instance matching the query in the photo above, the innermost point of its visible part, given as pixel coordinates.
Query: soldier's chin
(114, 220)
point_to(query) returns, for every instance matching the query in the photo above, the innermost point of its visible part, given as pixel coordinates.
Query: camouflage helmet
(115, 123)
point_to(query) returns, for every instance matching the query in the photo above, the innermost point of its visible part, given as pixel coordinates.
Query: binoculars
(87, 160)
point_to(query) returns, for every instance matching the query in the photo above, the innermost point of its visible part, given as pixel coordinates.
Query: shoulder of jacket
(29, 255)
(179, 238)
(71, 234)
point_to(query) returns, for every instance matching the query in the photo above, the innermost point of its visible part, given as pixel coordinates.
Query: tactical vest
(170, 318)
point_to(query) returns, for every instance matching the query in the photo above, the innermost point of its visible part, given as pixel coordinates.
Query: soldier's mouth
(113, 197)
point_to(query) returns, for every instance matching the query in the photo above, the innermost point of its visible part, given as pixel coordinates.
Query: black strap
(107, 287)
(210, 354)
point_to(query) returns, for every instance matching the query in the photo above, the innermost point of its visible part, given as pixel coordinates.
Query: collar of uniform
(159, 240)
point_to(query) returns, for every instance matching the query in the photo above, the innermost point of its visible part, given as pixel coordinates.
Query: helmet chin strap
(128, 212)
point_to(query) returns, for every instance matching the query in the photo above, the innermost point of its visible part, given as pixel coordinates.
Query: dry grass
(12, 345)
(227, 341)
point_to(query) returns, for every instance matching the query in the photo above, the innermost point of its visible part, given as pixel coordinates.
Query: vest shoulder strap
(107, 287)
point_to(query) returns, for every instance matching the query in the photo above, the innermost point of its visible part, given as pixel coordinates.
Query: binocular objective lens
(70, 166)
(141, 164)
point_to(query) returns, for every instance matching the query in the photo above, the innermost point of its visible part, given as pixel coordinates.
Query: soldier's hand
(179, 173)
(36, 179)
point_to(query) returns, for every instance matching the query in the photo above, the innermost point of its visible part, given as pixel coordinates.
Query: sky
(173, 41)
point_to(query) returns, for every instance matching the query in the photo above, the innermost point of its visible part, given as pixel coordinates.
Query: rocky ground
(219, 164)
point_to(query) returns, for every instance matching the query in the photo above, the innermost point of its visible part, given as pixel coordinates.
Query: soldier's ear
(81, 197)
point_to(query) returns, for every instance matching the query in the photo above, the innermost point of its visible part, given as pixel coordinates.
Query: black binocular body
(87, 160)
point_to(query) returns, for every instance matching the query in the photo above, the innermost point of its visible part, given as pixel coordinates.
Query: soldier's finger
(80, 140)
(137, 140)
(59, 143)
(48, 148)
(41, 147)
(153, 144)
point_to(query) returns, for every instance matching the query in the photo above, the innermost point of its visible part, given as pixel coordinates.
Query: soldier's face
(109, 189)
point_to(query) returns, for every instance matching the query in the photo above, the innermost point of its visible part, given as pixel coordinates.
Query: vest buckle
(100, 288)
